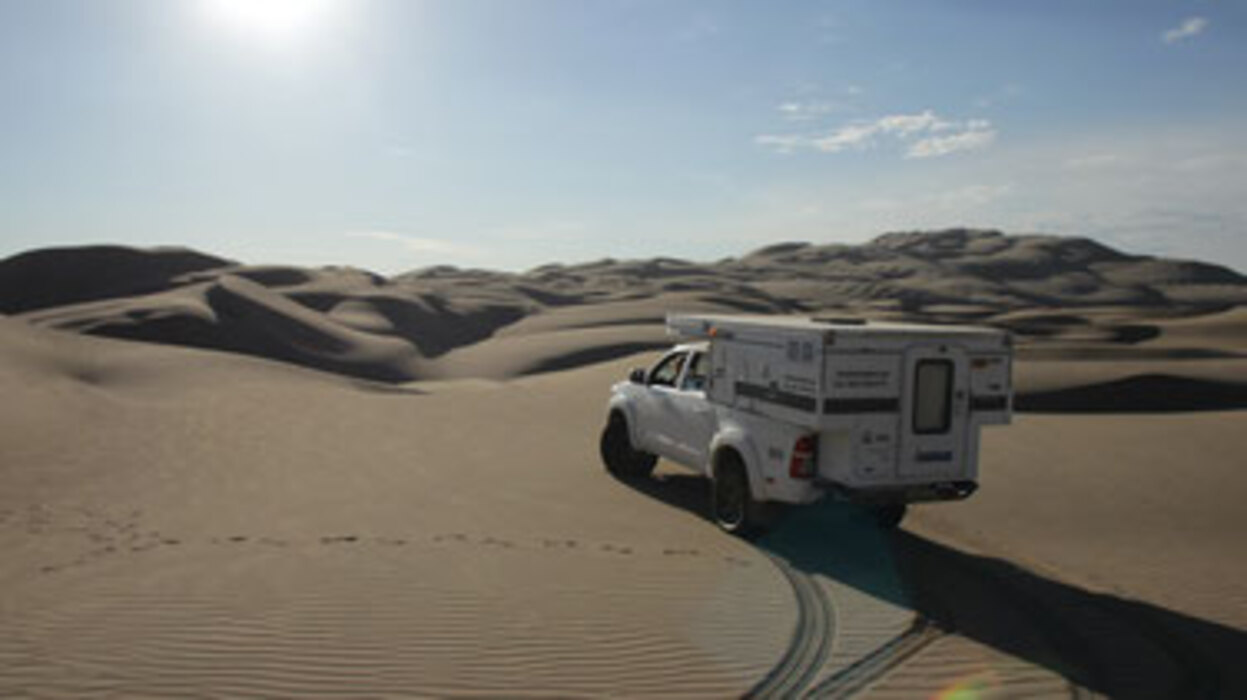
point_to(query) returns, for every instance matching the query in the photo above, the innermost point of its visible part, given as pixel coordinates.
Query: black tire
(888, 516)
(620, 457)
(731, 502)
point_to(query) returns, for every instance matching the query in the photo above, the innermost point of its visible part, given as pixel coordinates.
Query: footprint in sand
(336, 539)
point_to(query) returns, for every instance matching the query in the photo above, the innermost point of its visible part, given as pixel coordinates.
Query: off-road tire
(888, 516)
(731, 502)
(620, 457)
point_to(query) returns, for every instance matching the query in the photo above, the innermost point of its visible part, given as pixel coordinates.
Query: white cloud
(418, 244)
(807, 111)
(938, 136)
(1190, 27)
(906, 124)
(561, 230)
(851, 136)
(968, 140)
(780, 143)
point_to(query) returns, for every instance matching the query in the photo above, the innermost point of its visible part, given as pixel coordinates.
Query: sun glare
(271, 21)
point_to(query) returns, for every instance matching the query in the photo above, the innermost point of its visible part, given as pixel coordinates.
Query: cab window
(666, 372)
(695, 377)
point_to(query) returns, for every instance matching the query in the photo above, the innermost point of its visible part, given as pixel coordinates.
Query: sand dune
(55, 277)
(391, 486)
(235, 534)
(177, 521)
(1066, 299)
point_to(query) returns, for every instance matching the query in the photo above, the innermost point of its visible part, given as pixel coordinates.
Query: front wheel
(620, 457)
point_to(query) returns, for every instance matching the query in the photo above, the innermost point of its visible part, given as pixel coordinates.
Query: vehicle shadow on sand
(1105, 643)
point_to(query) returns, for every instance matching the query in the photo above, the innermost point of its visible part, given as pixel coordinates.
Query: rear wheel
(618, 454)
(731, 501)
(889, 516)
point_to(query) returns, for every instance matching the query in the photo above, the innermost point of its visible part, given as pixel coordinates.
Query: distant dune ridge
(1068, 299)
(39, 279)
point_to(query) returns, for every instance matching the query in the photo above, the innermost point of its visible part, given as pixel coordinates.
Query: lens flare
(973, 687)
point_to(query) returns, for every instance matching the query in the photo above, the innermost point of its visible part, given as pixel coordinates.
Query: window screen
(933, 386)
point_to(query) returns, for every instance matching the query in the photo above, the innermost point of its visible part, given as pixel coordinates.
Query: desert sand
(322, 482)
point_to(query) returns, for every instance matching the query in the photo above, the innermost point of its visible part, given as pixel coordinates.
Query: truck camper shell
(896, 407)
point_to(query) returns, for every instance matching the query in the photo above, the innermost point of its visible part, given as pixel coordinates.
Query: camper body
(878, 413)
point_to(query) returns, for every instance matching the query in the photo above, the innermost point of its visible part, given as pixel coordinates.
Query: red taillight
(804, 461)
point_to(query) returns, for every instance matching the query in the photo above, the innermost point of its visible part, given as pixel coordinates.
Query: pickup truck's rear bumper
(908, 493)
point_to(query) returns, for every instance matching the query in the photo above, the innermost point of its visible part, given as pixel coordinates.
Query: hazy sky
(392, 135)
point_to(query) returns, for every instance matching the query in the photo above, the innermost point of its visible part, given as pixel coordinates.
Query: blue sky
(509, 133)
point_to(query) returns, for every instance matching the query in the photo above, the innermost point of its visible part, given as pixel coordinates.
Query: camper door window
(933, 387)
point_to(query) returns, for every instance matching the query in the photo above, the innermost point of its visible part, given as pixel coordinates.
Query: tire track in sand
(811, 642)
(859, 675)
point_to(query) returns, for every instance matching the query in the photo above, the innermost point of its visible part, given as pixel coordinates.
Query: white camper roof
(706, 325)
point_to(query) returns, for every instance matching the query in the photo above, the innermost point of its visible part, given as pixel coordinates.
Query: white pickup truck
(785, 410)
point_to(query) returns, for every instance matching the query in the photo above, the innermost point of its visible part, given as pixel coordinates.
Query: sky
(394, 135)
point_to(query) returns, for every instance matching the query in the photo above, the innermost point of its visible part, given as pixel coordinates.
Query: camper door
(934, 418)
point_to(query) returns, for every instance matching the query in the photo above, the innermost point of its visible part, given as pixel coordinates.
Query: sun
(271, 21)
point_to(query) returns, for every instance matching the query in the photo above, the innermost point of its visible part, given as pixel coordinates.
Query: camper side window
(668, 370)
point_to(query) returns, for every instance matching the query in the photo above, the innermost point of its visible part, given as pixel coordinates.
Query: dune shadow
(593, 355)
(1105, 643)
(1148, 393)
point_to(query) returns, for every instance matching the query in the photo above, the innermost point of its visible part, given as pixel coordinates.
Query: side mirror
(637, 376)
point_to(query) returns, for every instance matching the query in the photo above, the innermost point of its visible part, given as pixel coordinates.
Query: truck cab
(671, 416)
